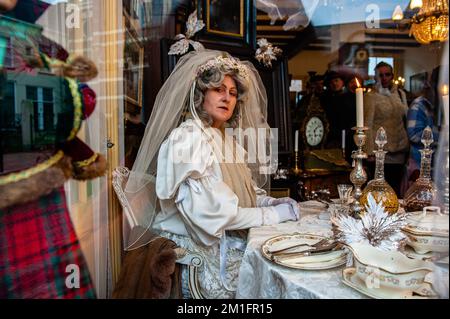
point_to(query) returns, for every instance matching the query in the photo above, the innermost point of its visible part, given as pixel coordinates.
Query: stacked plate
(428, 231)
(304, 251)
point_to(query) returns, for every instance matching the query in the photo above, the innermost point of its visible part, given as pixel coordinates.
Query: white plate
(349, 278)
(313, 262)
(315, 258)
(313, 266)
(286, 241)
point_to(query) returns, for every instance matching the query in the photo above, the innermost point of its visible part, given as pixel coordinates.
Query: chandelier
(430, 23)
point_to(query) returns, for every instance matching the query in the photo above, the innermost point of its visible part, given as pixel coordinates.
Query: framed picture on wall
(133, 69)
(225, 17)
(354, 58)
(416, 83)
(228, 21)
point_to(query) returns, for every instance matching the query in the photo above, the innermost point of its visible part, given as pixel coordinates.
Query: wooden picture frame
(225, 17)
(133, 69)
(228, 22)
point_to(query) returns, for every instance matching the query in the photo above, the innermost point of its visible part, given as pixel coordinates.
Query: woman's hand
(286, 200)
(285, 212)
(286, 208)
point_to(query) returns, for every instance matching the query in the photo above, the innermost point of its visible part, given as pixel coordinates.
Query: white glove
(285, 212)
(271, 201)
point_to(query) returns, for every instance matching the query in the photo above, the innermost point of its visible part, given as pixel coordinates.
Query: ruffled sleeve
(186, 153)
(208, 207)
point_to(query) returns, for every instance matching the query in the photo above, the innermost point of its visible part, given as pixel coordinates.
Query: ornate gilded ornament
(266, 53)
(193, 25)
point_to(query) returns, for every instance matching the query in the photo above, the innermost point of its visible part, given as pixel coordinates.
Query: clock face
(314, 131)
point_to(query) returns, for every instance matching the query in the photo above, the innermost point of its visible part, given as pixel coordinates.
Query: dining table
(260, 278)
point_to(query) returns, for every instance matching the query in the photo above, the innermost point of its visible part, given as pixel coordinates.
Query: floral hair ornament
(225, 62)
(266, 52)
(193, 25)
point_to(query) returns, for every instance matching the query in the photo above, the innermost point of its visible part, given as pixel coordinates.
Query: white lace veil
(168, 110)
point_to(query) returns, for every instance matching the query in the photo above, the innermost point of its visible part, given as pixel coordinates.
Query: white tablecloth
(261, 278)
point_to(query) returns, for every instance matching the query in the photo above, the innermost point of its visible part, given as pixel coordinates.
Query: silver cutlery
(316, 251)
(321, 249)
(319, 244)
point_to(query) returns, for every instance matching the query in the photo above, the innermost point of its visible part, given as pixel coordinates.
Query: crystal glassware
(378, 187)
(423, 191)
(345, 192)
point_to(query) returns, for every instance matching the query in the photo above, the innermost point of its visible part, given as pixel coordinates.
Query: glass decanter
(423, 191)
(378, 187)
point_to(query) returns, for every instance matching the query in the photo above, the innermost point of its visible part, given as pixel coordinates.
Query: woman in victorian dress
(195, 183)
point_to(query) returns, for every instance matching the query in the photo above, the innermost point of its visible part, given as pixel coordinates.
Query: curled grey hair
(213, 78)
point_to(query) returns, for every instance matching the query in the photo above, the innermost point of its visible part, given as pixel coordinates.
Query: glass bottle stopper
(381, 138)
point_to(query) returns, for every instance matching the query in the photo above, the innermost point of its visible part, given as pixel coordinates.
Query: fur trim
(163, 268)
(148, 272)
(96, 169)
(81, 68)
(36, 186)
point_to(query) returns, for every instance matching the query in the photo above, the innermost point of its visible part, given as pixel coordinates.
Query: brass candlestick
(358, 176)
(296, 170)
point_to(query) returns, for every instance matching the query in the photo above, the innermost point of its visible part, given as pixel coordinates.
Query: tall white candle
(359, 106)
(445, 104)
(343, 139)
(296, 140)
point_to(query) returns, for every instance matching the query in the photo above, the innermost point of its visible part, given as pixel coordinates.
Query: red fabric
(89, 100)
(37, 243)
(77, 150)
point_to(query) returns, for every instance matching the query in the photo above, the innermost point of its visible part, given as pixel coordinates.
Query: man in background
(386, 107)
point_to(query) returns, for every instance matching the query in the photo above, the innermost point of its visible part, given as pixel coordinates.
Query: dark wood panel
(397, 36)
(301, 186)
(276, 82)
(394, 44)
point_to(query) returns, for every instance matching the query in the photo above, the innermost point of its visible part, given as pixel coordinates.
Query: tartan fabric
(37, 243)
(420, 115)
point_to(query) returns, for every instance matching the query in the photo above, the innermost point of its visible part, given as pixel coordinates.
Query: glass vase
(423, 191)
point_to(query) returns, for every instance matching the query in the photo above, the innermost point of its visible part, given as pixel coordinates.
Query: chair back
(119, 180)
(192, 260)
